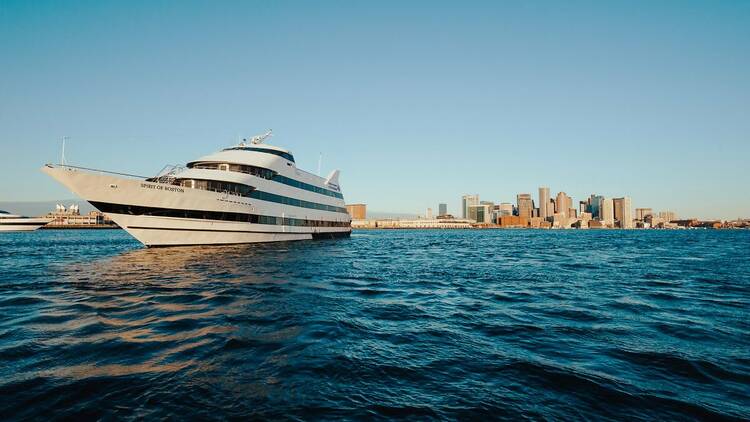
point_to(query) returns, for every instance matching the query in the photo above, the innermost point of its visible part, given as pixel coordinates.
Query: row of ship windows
(215, 215)
(240, 168)
(266, 174)
(216, 186)
(281, 154)
(302, 185)
(250, 192)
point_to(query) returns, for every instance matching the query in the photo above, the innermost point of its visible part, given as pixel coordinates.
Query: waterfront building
(543, 202)
(505, 208)
(442, 209)
(642, 213)
(606, 212)
(667, 216)
(421, 223)
(594, 203)
(561, 221)
(583, 206)
(466, 202)
(623, 212)
(563, 203)
(525, 205)
(508, 221)
(480, 213)
(596, 224)
(357, 211)
(550, 208)
(71, 217)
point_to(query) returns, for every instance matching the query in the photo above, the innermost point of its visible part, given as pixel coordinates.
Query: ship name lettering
(162, 187)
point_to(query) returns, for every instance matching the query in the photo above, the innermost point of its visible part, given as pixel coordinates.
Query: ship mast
(259, 139)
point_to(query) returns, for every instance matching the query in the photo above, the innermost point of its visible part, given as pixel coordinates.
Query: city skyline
(494, 99)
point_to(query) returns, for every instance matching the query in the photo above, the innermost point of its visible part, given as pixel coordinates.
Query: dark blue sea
(484, 324)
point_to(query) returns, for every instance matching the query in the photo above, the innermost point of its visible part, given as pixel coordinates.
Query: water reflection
(155, 310)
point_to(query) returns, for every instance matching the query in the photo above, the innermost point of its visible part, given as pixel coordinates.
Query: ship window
(281, 154)
(239, 168)
(205, 166)
(217, 186)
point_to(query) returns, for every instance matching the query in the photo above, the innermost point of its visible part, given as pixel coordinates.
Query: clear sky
(416, 102)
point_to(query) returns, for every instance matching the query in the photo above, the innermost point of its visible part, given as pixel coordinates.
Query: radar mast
(259, 139)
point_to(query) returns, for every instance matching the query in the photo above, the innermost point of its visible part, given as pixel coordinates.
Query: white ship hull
(158, 214)
(22, 224)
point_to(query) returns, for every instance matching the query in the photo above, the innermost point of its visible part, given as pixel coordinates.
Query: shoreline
(81, 227)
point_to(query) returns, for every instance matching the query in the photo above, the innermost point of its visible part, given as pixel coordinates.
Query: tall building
(563, 203)
(525, 205)
(623, 212)
(466, 202)
(442, 209)
(606, 212)
(594, 201)
(642, 213)
(550, 208)
(505, 209)
(428, 214)
(357, 211)
(481, 213)
(543, 202)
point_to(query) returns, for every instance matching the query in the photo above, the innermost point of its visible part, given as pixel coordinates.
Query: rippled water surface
(387, 324)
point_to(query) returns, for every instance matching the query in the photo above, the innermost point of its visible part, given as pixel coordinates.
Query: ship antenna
(258, 139)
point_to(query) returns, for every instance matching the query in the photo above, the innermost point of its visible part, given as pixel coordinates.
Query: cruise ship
(251, 192)
(16, 223)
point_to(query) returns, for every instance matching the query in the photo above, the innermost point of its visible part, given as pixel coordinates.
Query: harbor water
(475, 324)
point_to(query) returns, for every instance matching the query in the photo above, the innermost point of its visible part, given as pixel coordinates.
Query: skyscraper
(525, 205)
(563, 203)
(543, 202)
(466, 202)
(442, 209)
(550, 208)
(623, 212)
(594, 203)
(606, 212)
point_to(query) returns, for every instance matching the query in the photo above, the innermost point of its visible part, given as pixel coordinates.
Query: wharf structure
(419, 223)
(71, 218)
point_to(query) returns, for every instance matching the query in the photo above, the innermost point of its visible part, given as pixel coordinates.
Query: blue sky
(416, 102)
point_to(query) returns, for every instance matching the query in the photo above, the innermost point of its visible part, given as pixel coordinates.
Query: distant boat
(242, 194)
(16, 223)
